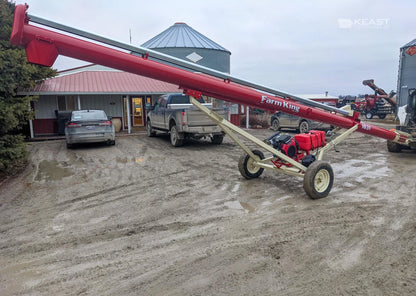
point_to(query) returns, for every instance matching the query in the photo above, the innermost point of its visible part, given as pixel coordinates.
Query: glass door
(137, 108)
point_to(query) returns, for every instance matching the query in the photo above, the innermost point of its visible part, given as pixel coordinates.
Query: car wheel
(318, 179)
(175, 139)
(368, 115)
(247, 165)
(69, 146)
(275, 124)
(303, 126)
(382, 116)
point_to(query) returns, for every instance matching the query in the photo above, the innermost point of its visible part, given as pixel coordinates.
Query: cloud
(298, 46)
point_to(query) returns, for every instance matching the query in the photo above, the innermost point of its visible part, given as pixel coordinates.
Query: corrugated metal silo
(407, 72)
(182, 41)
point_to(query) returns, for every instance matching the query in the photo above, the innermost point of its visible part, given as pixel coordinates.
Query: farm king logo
(286, 105)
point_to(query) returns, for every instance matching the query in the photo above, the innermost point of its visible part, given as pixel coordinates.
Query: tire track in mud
(173, 223)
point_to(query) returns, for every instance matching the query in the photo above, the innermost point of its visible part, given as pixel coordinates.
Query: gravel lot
(144, 218)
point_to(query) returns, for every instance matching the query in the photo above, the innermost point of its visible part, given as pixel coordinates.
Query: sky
(300, 47)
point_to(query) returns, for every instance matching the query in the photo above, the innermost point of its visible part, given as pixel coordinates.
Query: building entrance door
(137, 108)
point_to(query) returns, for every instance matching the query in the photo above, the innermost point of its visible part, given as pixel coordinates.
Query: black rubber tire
(394, 147)
(69, 146)
(303, 127)
(275, 124)
(217, 139)
(382, 116)
(149, 130)
(318, 179)
(246, 167)
(368, 115)
(175, 138)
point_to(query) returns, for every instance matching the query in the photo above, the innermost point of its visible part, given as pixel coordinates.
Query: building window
(66, 103)
(61, 103)
(70, 103)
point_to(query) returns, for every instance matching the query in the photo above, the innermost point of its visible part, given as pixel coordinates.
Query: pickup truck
(173, 113)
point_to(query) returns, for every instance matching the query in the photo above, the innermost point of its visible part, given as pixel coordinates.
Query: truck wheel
(318, 179)
(368, 115)
(394, 147)
(247, 167)
(175, 140)
(217, 139)
(382, 116)
(303, 127)
(275, 124)
(149, 129)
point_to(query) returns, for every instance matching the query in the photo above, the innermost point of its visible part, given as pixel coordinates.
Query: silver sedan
(283, 120)
(89, 126)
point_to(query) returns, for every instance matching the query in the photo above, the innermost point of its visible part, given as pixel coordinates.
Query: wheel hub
(252, 165)
(322, 180)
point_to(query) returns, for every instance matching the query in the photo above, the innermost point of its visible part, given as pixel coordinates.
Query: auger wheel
(248, 166)
(318, 179)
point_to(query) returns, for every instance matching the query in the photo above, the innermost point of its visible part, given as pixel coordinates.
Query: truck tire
(303, 127)
(149, 129)
(318, 179)
(217, 139)
(382, 116)
(175, 138)
(394, 147)
(247, 167)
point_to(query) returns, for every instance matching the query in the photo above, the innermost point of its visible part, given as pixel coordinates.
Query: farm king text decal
(286, 105)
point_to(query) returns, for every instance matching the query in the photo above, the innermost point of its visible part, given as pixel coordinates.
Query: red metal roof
(103, 82)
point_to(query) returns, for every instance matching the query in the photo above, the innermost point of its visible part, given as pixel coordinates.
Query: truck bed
(195, 117)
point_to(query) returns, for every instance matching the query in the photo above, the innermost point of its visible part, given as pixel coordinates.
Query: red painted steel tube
(43, 46)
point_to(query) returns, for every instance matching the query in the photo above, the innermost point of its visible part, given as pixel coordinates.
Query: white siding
(111, 104)
(45, 107)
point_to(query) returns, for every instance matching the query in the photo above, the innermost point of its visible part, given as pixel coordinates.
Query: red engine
(298, 147)
(284, 143)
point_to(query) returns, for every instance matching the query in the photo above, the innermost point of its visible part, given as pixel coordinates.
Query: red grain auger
(299, 156)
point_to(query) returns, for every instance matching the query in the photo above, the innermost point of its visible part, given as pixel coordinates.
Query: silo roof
(181, 35)
(411, 43)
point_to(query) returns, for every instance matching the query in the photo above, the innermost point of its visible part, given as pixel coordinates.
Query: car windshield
(89, 115)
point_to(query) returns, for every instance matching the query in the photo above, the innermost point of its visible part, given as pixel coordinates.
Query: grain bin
(407, 72)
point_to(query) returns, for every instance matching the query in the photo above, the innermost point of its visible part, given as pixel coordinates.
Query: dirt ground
(144, 218)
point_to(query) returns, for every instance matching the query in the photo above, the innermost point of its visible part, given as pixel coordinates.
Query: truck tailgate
(197, 118)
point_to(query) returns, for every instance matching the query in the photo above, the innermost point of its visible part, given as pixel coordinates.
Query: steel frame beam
(230, 129)
(320, 152)
(297, 170)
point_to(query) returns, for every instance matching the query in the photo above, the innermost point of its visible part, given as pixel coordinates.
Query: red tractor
(380, 104)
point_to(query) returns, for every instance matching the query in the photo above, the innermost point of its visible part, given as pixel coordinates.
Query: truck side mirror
(149, 107)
